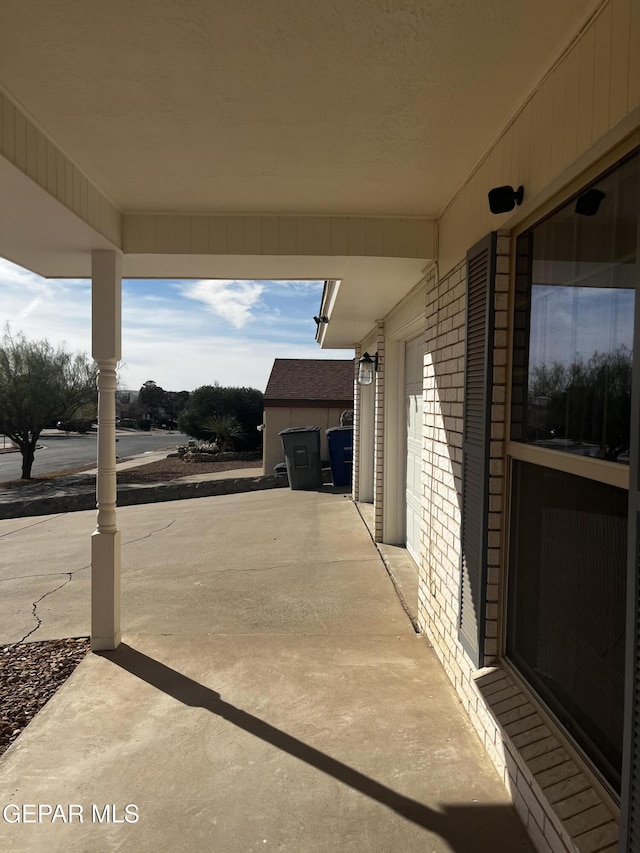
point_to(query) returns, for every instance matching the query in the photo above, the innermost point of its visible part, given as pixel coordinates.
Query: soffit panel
(292, 106)
(40, 234)
(367, 292)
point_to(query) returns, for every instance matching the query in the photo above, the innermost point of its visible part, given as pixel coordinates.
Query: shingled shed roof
(310, 380)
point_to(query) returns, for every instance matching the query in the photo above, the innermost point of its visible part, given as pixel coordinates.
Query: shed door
(414, 360)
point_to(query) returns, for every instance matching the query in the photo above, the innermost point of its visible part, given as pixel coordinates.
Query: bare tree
(585, 401)
(39, 385)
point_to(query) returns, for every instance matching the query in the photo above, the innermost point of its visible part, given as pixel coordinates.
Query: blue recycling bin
(301, 447)
(340, 440)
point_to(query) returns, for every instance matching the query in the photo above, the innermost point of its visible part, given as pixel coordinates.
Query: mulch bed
(171, 469)
(30, 673)
(161, 471)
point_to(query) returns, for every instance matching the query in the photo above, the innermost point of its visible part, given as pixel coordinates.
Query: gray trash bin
(301, 446)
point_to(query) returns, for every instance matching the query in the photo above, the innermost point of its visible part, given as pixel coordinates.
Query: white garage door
(414, 360)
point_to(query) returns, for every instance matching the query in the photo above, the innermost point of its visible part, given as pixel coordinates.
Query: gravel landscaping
(30, 673)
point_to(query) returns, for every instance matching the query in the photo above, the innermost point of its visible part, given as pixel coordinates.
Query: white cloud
(30, 307)
(186, 362)
(59, 310)
(170, 338)
(231, 300)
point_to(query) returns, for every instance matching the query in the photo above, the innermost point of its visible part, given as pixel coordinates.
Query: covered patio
(355, 144)
(279, 142)
(269, 693)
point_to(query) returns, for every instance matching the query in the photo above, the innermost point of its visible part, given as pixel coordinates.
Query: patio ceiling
(298, 108)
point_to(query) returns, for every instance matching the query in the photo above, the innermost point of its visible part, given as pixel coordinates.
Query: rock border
(84, 497)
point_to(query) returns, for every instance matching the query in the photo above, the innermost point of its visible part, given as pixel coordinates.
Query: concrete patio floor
(270, 692)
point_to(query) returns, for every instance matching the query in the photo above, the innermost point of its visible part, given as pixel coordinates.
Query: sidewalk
(77, 492)
(270, 692)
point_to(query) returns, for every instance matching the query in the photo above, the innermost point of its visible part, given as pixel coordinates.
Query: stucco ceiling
(260, 107)
(287, 106)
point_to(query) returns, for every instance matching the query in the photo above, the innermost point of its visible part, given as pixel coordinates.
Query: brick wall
(444, 373)
(559, 805)
(378, 436)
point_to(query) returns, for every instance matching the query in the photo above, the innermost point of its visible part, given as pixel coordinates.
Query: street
(59, 452)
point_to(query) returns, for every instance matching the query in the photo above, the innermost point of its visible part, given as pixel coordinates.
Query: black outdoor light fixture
(504, 199)
(321, 319)
(368, 366)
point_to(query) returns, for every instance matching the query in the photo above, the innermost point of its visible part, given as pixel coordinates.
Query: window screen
(566, 628)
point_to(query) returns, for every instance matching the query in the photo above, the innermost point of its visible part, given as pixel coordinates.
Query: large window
(573, 336)
(576, 277)
(566, 603)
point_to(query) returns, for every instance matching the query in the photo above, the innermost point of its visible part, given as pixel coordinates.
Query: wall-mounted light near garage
(368, 366)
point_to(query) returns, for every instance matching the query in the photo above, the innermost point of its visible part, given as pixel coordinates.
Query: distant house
(304, 392)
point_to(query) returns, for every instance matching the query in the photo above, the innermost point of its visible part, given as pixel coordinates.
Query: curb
(135, 495)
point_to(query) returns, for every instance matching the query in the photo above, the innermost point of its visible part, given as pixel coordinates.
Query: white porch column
(106, 326)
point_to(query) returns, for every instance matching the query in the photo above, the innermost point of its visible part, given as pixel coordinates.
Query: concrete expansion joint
(272, 567)
(405, 605)
(403, 602)
(35, 524)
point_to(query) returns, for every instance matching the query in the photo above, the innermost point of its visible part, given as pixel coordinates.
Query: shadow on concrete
(330, 489)
(467, 829)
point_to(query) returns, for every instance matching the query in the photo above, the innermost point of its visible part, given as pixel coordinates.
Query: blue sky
(181, 334)
(576, 322)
